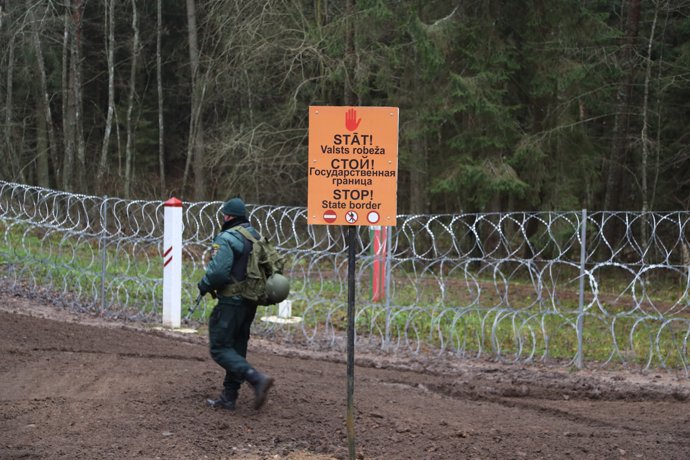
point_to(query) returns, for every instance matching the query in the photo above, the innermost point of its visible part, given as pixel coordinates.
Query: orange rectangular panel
(353, 165)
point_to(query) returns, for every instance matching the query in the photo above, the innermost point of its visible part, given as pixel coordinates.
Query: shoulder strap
(246, 233)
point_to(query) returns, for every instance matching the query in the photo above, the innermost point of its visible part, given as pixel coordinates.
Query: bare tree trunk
(67, 103)
(657, 147)
(22, 152)
(78, 99)
(129, 149)
(159, 80)
(321, 12)
(42, 170)
(195, 147)
(622, 120)
(110, 51)
(9, 167)
(644, 135)
(118, 138)
(44, 99)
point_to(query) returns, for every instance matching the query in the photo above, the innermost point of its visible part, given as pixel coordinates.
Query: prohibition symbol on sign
(329, 216)
(351, 217)
(373, 217)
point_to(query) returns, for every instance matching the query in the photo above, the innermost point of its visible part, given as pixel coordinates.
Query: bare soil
(74, 386)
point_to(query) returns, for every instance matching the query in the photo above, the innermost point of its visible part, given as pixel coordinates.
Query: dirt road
(75, 387)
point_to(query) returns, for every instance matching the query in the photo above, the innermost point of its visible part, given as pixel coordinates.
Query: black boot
(261, 384)
(225, 401)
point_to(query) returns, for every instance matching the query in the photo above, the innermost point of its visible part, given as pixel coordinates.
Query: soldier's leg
(245, 329)
(259, 382)
(233, 382)
(225, 327)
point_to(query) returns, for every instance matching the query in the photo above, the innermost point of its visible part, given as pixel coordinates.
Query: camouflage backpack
(264, 284)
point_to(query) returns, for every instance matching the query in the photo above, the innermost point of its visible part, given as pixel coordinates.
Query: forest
(505, 105)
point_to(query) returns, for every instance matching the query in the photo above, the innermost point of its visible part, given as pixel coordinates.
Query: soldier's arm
(218, 270)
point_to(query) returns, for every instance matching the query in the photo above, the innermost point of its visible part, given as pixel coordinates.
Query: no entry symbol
(351, 217)
(329, 216)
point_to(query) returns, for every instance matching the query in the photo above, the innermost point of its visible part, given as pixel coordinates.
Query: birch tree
(74, 162)
(77, 93)
(130, 147)
(109, 23)
(68, 106)
(195, 147)
(8, 167)
(645, 140)
(43, 100)
(159, 87)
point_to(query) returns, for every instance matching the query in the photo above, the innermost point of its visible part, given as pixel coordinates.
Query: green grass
(459, 321)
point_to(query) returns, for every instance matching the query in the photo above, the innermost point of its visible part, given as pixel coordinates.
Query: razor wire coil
(469, 284)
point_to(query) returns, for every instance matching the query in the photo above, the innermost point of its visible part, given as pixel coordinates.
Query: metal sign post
(351, 258)
(353, 168)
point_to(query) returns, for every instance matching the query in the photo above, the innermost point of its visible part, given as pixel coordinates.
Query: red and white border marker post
(172, 263)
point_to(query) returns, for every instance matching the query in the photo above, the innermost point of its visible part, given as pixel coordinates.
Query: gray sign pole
(579, 361)
(104, 249)
(351, 257)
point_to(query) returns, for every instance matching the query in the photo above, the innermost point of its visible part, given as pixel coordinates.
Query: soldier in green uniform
(233, 315)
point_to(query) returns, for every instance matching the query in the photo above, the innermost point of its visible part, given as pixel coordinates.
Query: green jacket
(228, 247)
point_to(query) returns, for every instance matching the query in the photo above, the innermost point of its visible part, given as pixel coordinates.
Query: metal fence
(610, 288)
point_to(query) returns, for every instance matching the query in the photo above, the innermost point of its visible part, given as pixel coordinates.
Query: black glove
(203, 290)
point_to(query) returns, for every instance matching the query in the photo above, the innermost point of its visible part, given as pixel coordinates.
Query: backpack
(264, 268)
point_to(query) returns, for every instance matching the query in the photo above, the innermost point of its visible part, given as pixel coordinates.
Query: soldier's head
(232, 208)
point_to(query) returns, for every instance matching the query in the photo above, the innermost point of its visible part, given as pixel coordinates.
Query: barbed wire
(501, 284)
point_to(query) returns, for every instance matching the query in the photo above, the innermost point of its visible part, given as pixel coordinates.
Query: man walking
(233, 315)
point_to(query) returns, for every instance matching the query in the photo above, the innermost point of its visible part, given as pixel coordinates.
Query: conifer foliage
(504, 105)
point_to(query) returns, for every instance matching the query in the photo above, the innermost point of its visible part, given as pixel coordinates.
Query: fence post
(581, 304)
(389, 236)
(172, 263)
(104, 252)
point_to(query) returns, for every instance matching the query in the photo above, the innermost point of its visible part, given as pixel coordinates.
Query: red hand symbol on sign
(351, 122)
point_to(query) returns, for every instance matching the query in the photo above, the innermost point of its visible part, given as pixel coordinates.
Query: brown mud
(73, 386)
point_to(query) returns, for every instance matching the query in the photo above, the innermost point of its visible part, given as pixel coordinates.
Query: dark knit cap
(234, 207)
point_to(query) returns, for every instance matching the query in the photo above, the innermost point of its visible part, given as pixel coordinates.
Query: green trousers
(228, 331)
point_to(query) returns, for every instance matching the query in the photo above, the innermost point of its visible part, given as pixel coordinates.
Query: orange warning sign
(353, 165)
